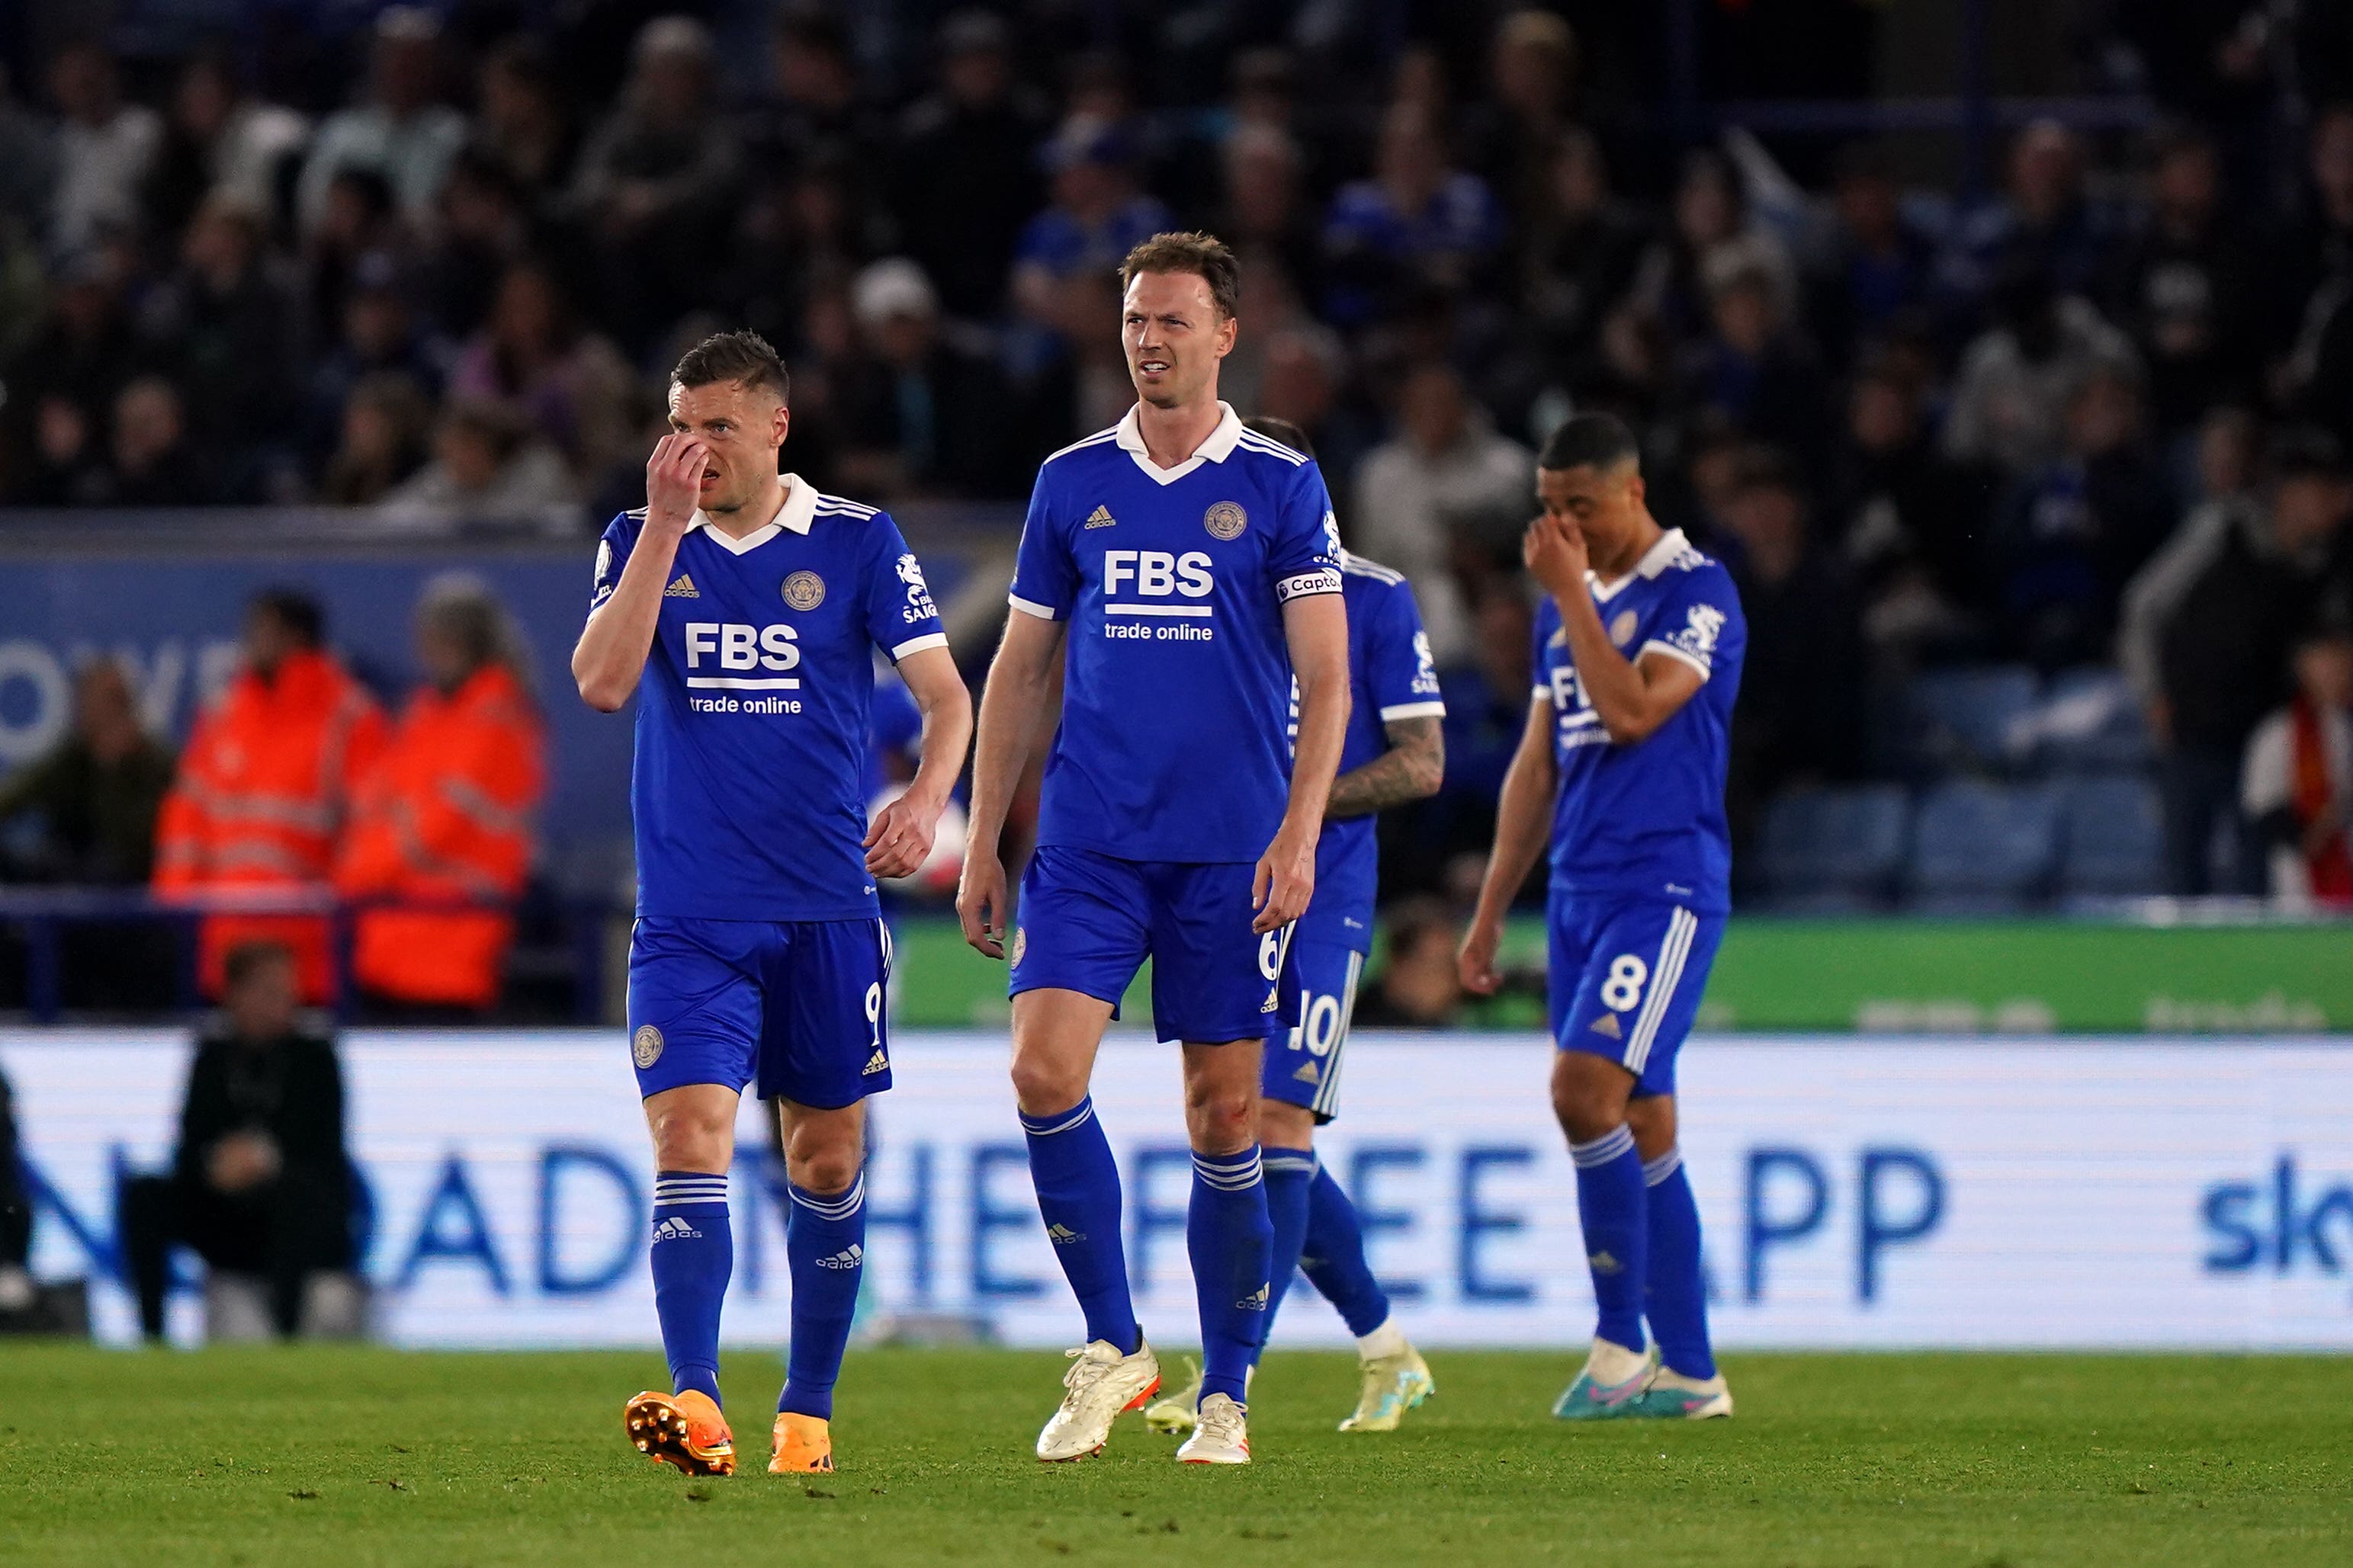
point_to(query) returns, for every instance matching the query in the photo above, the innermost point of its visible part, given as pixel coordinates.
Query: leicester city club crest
(803, 590)
(1020, 942)
(645, 1045)
(1621, 630)
(1225, 520)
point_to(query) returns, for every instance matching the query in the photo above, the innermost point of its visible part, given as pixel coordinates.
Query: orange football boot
(682, 1429)
(804, 1445)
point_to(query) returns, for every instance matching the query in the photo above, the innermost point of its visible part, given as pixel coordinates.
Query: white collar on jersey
(797, 512)
(1216, 449)
(1654, 560)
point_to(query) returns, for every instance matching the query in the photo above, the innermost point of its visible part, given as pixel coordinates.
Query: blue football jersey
(1173, 743)
(1647, 820)
(752, 728)
(1390, 677)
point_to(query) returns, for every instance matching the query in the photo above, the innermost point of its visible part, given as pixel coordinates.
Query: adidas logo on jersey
(1100, 517)
(1253, 1302)
(683, 588)
(1307, 1073)
(849, 1257)
(1063, 1235)
(876, 1063)
(1606, 1026)
(676, 1229)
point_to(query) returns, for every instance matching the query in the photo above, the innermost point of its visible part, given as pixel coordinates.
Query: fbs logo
(683, 588)
(675, 1229)
(849, 1256)
(876, 1063)
(1099, 518)
(1606, 1026)
(1063, 1236)
(1253, 1302)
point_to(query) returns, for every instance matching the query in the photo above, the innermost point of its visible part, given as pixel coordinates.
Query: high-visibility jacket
(258, 804)
(445, 814)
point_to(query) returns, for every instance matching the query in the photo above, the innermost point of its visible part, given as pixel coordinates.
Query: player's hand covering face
(1553, 550)
(1173, 337)
(740, 429)
(674, 479)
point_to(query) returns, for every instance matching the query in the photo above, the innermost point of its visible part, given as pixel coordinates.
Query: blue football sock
(1290, 1175)
(825, 1246)
(694, 1253)
(1231, 1243)
(1078, 1195)
(1334, 1258)
(1610, 1206)
(1677, 1297)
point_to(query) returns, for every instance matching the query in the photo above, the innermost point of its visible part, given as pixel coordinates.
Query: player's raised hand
(899, 841)
(980, 901)
(1283, 882)
(1553, 550)
(1475, 963)
(674, 479)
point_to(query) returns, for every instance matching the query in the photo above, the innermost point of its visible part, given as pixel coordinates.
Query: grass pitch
(349, 1457)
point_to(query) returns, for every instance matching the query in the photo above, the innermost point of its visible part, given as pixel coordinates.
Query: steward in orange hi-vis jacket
(262, 790)
(445, 814)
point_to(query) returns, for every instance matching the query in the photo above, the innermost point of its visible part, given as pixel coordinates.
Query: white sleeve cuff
(917, 645)
(1671, 651)
(1032, 607)
(1542, 693)
(1413, 710)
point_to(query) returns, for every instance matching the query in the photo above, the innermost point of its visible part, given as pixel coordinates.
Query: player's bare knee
(1589, 1095)
(1221, 1120)
(826, 1167)
(1044, 1084)
(691, 1138)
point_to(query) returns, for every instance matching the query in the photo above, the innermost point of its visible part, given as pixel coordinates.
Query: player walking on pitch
(1172, 562)
(746, 607)
(1638, 651)
(1393, 754)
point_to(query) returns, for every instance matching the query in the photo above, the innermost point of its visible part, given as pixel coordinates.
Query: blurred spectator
(1303, 368)
(1264, 212)
(813, 111)
(385, 422)
(1799, 718)
(95, 794)
(1714, 235)
(1417, 223)
(401, 134)
(483, 230)
(655, 179)
(2068, 539)
(260, 1182)
(534, 355)
(920, 412)
(2043, 221)
(376, 335)
(263, 788)
(1419, 986)
(1096, 218)
(1877, 267)
(2296, 787)
(2184, 286)
(520, 126)
(2205, 641)
(357, 242)
(227, 321)
(65, 465)
(1908, 523)
(445, 815)
(964, 174)
(2010, 396)
(28, 161)
(221, 144)
(2314, 245)
(1449, 490)
(1753, 374)
(1578, 249)
(487, 467)
(105, 148)
(1508, 138)
(154, 462)
(83, 350)
(1486, 714)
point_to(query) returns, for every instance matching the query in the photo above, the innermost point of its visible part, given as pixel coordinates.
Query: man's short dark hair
(1596, 441)
(744, 359)
(1281, 430)
(248, 957)
(295, 611)
(1202, 255)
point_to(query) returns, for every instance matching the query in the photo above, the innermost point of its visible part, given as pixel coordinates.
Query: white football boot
(1221, 1434)
(1101, 1383)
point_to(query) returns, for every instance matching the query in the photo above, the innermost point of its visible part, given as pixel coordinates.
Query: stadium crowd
(2095, 415)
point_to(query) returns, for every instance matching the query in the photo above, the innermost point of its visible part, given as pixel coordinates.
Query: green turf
(336, 1459)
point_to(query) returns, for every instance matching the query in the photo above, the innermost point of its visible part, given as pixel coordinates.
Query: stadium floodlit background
(2004, 351)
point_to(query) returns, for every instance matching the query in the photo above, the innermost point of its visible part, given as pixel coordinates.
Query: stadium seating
(2088, 721)
(1828, 851)
(1968, 719)
(1984, 848)
(2115, 839)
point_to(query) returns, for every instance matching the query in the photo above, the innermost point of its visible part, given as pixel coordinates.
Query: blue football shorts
(1625, 977)
(792, 1006)
(1304, 1070)
(1088, 921)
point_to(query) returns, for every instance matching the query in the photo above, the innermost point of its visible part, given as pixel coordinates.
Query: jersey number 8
(1623, 988)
